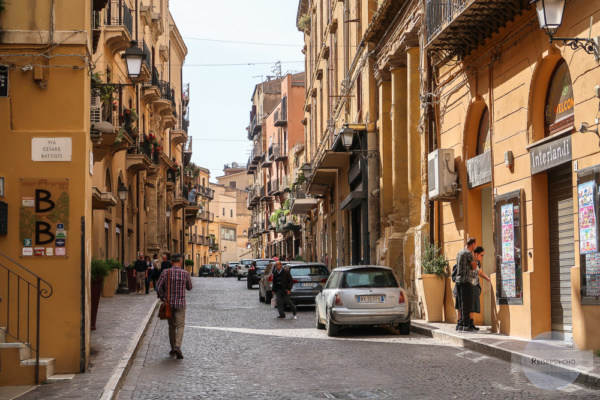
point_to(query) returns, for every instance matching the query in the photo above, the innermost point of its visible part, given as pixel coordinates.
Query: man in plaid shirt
(176, 281)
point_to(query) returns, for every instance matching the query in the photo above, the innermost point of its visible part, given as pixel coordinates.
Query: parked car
(230, 269)
(243, 267)
(362, 295)
(255, 273)
(206, 270)
(265, 284)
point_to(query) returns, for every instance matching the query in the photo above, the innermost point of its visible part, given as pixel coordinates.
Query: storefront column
(413, 137)
(385, 146)
(399, 148)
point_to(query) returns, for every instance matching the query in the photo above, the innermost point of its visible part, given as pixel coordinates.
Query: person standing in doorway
(282, 287)
(176, 281)
(140, 274)
(478, 272)
(465, 264)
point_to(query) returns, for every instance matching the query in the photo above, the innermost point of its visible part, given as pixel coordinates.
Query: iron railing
(148, 58)
(21, 297)
(440, 12)
(118, 14)
(166, 92)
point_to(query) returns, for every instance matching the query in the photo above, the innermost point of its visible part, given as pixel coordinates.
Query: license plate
(308, 284)
(371, 299)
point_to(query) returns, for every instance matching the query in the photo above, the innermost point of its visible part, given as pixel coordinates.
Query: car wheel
(318, 323)
(332, 329)
(404, 329)
(268, 297)
(249, 284)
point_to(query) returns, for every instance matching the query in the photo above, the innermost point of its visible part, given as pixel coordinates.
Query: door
(487, 242)
(562, 248)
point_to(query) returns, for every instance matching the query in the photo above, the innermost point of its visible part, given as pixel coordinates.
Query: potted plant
(433, 281)
(111, 281)
(99, 272)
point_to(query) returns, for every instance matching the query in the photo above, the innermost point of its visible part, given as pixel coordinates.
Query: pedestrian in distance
(139, 269)
(475, 274)
(148, 273)
(282, 287)
(175, 281)
(466, 263)
(165, 264)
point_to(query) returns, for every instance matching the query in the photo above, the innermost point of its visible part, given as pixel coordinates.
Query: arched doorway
(558, 123)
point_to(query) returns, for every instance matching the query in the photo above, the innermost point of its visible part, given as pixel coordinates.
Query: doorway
(487, 242)
(562, 249)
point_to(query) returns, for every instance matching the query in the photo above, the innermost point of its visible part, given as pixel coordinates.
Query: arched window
(483, 136)
(560, 104)
(107, 181)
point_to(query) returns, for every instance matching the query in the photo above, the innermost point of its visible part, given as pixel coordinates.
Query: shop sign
(550, 155)
(51, 149)
(44, 216)
(479, 169)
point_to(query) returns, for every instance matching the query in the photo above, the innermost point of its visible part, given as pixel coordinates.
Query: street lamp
(347, 135)
(123, 289)
(134, 56)
(550, 15)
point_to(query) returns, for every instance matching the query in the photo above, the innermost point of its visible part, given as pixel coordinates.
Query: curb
(586, 378)
(111, 389)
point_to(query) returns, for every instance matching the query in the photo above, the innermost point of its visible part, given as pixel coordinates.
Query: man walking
(465, 265)
(282, 287)
(140, 274)
(176, 281)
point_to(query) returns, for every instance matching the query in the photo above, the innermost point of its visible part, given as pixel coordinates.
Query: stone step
(18, 368)
(24, 351)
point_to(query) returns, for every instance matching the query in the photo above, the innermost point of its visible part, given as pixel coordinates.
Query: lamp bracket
(589, 45)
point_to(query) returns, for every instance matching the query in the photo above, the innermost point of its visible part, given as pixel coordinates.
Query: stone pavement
(510, 348)
(121, 322)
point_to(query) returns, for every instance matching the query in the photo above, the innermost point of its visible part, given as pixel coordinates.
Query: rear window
(246, 262)
(309, 270)
(263, 263)
(369, 277)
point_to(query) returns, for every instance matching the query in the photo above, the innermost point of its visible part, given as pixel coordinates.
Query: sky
(220, 94)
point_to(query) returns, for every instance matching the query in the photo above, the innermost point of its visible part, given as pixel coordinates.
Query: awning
(353, 200)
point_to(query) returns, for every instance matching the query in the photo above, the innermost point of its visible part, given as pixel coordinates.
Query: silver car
(362, 295)
(242, 268)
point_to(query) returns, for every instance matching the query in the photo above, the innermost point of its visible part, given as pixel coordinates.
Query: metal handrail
(440, 12)
(41, 288)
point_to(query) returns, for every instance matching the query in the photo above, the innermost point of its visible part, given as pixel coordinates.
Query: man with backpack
(465, 264)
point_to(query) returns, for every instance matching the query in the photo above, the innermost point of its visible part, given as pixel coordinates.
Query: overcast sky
(220, 95)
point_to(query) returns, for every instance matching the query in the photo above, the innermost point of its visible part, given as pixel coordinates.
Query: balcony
(206, 216)
(118, 26)
(257, 152)
(137, 160)
(267, 160)
(300, 202)
(283, 184)
(250, 166)
(456, 27)
(150, 90)
(254, 194)
(288, 223)
(206, 192)
(273, 187)
(102, 200)
(255, 127)
(279, 152)
(280, 116)
(178, 134)
(264, 196)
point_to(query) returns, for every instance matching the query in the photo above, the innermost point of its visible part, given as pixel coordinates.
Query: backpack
(454, 272)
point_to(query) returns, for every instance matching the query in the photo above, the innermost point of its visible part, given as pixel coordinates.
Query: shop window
(588, 181)
(560, 104)
(508, 211)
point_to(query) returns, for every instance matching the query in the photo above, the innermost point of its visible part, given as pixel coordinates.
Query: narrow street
(235, 348)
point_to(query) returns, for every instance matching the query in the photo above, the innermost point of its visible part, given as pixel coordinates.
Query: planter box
(111, 282)
(433, 297)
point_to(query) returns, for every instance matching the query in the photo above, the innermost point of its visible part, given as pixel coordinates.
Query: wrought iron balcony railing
(118, 14)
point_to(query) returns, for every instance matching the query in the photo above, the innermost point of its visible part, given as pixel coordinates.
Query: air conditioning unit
(95, 109)
(442, 178)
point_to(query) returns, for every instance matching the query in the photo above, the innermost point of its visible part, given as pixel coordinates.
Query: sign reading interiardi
(51, 149)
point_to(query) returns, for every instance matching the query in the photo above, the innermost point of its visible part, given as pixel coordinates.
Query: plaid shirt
(179, 281)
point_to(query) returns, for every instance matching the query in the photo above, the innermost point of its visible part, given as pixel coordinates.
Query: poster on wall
(508, 233)
(592, 274)
(588, 232)
(509, 282)
(44, 217)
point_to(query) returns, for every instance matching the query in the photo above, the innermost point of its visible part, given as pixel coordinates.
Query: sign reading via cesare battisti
(51, 149)
(44, 217)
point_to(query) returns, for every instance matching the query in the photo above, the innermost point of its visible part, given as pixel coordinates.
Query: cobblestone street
(235, 348)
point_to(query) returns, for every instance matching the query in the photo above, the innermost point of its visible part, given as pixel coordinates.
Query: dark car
(230, 269)
(309, 280)
(206, 270)
(255, 273)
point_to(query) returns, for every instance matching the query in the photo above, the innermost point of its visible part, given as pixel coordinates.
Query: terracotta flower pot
(433, 297)
(110, 283)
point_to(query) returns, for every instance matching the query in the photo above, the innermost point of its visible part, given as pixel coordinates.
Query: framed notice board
(588, 202)
(508, 237)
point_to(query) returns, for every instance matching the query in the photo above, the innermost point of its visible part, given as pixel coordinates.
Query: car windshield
(246, 262)
(262, 263)
(368, 278)
(308, 270)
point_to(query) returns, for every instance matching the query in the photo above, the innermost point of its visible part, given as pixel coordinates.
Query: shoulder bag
(164, 312)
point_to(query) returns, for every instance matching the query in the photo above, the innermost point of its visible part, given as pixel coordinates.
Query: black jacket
(140, 266)
(282, 280)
